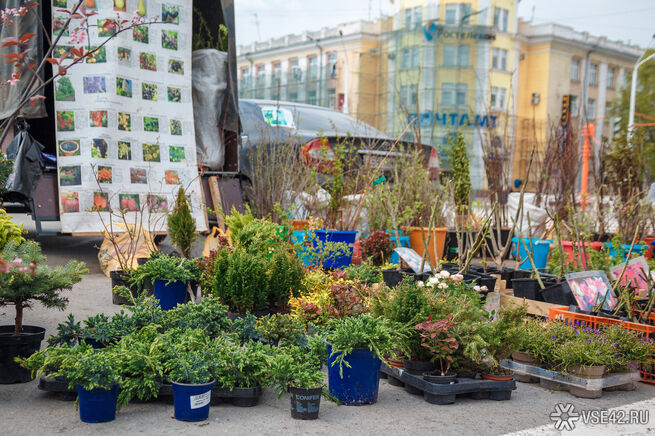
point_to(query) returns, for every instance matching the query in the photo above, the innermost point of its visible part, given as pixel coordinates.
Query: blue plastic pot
(169, 294)
(97, 405)
(191, 402)
(540, 247)
(298, 238)
(360, 382)
(345, 236)
(623, 250)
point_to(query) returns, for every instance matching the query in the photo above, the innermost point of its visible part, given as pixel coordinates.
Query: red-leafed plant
(377, 248)
(437, 337)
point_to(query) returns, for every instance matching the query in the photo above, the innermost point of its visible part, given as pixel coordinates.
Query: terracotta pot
(299, 225)
(416, 235)
(497, 377)
(588, 371)
(523, 357)
(395, 363)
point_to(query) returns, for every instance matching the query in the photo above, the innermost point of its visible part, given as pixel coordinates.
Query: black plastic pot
(24, 345)
(419, 367)
(392, 277)
(488, 281)
(118, 280)
(527, 288)
(559, 293)
(440, 379)
(305, 403)
(507, 274)
(522, 274)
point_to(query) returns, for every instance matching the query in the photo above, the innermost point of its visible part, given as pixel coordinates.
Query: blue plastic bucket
(171, 294)
(360, 382)
(622, 252)
(298, 238)
(541, 249)
(191, 402)
(97, 405)
(345, 236)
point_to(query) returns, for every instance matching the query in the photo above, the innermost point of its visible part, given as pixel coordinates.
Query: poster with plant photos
(124, 117)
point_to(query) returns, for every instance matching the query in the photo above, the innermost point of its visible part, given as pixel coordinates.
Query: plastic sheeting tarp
(25, 151)
(11, 95)
(209, 105)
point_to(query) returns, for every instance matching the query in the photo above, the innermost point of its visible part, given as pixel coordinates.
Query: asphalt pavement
(24, 410)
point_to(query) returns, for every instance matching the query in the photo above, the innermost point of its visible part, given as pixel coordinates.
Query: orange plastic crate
(647, 368)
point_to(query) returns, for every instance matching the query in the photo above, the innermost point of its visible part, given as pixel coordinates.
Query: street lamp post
(633, 95)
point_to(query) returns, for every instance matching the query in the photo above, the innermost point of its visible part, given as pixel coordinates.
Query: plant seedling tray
(446, 394)
(582, 387)
(58, 387)
(240, 397)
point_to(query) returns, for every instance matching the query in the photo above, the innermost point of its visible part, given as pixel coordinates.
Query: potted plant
(377, 248)
(96, 378)
(181, 225)
(170, 277)
(502, 336)
(302, 377)
(356, 346)
(25, 279)
(190, 375)
(437, 337)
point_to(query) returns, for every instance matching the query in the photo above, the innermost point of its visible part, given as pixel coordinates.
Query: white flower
(420, 284)
(476, 288)
(457, 277)
(444, 274)
(484, 288)
(442, 285)
(433, 281)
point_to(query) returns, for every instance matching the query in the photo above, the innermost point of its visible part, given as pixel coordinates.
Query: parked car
(313, 131)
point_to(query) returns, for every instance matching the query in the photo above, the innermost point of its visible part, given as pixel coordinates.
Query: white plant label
(198, 401)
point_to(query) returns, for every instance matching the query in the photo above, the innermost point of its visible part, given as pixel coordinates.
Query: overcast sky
(625, 20)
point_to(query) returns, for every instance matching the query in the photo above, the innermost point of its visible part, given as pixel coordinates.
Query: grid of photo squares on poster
(124, 116)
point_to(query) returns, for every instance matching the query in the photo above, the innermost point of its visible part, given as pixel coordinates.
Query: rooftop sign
(434, 31)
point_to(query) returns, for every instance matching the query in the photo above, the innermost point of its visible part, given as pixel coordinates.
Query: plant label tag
(198, 401)
(412, 259)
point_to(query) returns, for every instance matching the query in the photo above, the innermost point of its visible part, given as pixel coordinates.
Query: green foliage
(9, 231)
(280, 329)
(244, 328)
(437, 336)
(461, 171)
(259, 236)
(6, 168)
(379, 335)
(240, 280)
(236, 221)
(90, 369)
(366, 273)
(26, 279)
(291, 367)
(107, 330)
(285, 276)
(204, 37)
(68, 333)
(191, 367)
(164, 267)
(502, 334)
(181, 225)
(244, 366)
(628, 345)
(210, 315)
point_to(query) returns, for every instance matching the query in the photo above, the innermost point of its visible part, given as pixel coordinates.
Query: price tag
(198, 401)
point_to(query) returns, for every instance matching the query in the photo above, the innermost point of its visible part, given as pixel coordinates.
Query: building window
(261, 76)
(591, 108)
(627, 77)
(575, 70)
(409, 14)
(574, 105)
(294, 69)
(312, 67)
(311, 97)
(413, 17)
(499, 59)
(454, 94)
(454, 55)
(593, 74)
(498, 96)
(245, 73)
(332, 98)
(409, 96)
(458, 14)
(410, 58)
(332, 65)
(448, 94)
(277, 68)
(418, 16)
(501, 19)
(461, 94)
(611, 77)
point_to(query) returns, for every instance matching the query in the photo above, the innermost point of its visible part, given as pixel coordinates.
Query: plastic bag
(141, 245)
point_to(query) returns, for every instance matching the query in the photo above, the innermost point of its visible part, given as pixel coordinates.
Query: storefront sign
(479, 33)
(453, 119)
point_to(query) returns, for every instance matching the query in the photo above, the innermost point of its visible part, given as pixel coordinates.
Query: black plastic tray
(240, 397)
(446, 394)
(58, 387)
